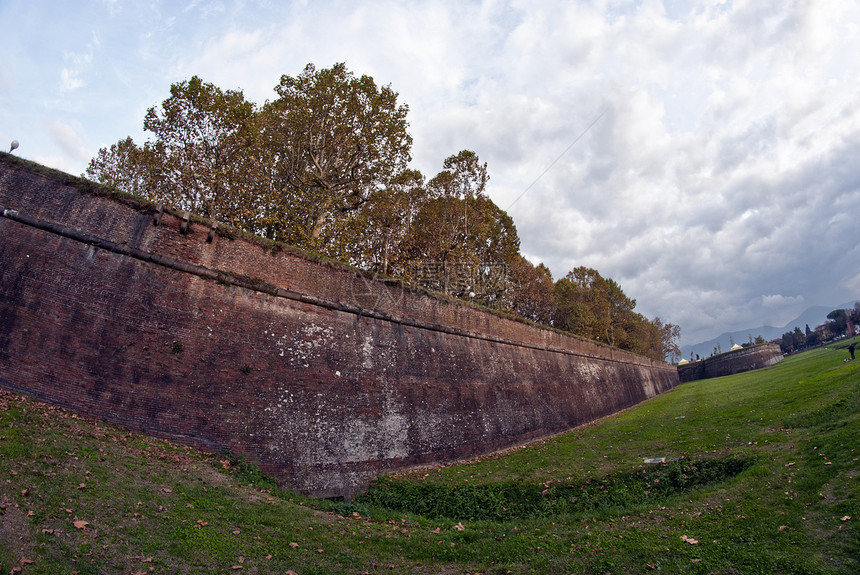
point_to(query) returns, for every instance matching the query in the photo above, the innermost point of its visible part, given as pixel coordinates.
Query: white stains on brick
(315, 424)
(367, 352)
(302, 346)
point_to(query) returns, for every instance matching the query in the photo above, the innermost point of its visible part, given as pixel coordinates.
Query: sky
(705, 154)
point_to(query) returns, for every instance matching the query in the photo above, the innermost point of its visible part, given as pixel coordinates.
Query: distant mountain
(812, 317)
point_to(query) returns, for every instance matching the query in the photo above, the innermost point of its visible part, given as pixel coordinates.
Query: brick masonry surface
(322, 376)
(731, 362)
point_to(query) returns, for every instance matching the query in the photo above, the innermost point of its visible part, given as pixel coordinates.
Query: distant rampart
(731, 362)
(323, 377)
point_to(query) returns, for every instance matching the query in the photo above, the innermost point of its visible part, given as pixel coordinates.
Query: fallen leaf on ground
(80, 524)
(846, 518)
(459, 527)
(783, 527)
(437, 530)
(294, 545)
(689, 540)
(24, 561)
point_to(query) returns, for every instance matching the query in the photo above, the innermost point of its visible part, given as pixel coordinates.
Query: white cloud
(716, 188)
(77, 64)
(69, 140)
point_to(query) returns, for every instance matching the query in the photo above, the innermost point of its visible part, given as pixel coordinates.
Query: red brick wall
(731, 362)
(321, 376)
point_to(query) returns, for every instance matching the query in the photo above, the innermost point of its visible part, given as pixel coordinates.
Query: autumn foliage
(325, 167)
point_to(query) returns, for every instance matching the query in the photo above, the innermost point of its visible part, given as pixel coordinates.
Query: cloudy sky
(704, 154)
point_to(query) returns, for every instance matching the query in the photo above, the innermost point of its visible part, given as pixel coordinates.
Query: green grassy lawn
(761, 476)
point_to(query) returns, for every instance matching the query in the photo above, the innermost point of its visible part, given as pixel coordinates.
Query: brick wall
(731, 362)
(322, 376)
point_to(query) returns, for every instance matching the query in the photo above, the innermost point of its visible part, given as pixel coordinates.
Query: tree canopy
(325, 166)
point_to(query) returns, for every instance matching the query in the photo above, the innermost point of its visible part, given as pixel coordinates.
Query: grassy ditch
(761, 476)
(616, 494)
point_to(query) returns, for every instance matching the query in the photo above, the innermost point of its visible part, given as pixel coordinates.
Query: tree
(460, 242)
(669, 336)
(125, 166)
(787, 343)
(798, 338)
(583, 304)
(531, 291)
(854, 318)
(374, 234)
(201, 137)
(838, 321)
(333, 141)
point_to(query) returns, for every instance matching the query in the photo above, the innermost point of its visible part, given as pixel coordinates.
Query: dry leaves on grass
(80, 524)
(689, 540)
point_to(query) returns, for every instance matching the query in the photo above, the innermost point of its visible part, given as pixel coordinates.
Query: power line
(549, 167)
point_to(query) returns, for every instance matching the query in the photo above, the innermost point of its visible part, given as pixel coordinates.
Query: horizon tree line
(840, 322)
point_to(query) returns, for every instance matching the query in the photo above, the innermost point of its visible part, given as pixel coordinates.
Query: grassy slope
(151, 506)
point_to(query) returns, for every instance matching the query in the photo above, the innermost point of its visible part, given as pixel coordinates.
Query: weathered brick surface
(731, 362)
(325, 392)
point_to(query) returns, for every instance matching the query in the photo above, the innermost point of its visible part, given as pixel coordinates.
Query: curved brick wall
(321, 376)
(731, 362)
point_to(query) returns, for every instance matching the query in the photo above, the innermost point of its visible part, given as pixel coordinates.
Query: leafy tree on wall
(460, 242)
(532, 291)
(373, 235)
(325, 167)
(202, 135)
(333, 140)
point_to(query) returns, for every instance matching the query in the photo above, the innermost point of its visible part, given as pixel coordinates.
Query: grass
(761, 476)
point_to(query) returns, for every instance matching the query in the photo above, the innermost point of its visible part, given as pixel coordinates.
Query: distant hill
(812, 317)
